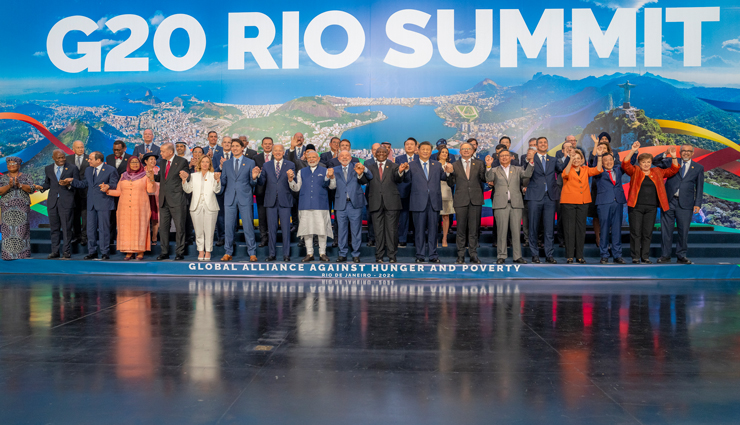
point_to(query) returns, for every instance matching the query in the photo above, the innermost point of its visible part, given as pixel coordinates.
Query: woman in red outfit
(645, 196)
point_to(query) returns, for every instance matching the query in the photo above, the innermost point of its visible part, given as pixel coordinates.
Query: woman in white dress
(443, 157)
(204, 184)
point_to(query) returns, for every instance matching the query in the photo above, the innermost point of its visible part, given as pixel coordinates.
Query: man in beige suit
(508, 204)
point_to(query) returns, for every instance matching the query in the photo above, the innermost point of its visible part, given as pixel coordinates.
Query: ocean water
(419, 122)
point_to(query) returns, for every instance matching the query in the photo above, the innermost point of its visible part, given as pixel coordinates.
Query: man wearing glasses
(685, 191)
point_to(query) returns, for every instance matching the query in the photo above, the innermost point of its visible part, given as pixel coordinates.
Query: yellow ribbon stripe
(675, 127)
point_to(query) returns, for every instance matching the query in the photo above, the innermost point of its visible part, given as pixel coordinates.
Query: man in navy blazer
(99, 177)
(425, 201)
(610, 202)
(278, 200)
(212, 148)
(404, 189)
(238, 179)
(325, 157)
(685, 191)
(60, 202)
(543, 193)
(348, 203)
(148, 145)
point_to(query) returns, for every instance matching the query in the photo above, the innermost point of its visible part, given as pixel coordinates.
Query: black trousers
(262, 219)
(468, 223)
(79, 222)
(167, 214)
(60, 221)
(574, 228)
(642, 221)
(385, 225)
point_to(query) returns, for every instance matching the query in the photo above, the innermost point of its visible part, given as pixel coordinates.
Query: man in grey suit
(508, 180)
(384, 204)
(467, 176)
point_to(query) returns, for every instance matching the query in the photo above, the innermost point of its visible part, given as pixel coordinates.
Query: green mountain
(207, 109)
(624, 130)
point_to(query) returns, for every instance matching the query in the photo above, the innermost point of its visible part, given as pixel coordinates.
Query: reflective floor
(178, 351)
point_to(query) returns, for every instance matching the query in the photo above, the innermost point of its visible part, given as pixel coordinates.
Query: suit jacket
(260, 161)
(542, 177)
(690, 187)
(404, 188)
(217, 159)
(216, 150)
(111, 160)
(423, 190)
(80, 193)
(656, 175)
(351, 187)
(96, 199)
(384, 192)
(291, 156)
(518, 178)
(276, 188)
(325, 157)
(467, 191)
(606, 191)
(576, 189)
(209, 187)
(140, 149)
(63, 196)
(334, 162)
(170, 187)
(238, 186)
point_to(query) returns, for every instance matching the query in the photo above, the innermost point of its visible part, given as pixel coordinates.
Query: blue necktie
(426, 172)
(544, 169)
(685, 169)
(95, 174)
(236, 165)
(59, 172)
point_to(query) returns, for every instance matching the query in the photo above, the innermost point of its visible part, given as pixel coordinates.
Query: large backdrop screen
(373, 72)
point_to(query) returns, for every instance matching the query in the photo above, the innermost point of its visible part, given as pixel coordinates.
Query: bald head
(78, 147)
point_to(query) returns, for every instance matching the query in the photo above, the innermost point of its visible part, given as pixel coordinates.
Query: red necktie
(167, 170)
(611, 177)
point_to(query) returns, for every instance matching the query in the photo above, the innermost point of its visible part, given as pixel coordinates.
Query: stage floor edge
(317, 270)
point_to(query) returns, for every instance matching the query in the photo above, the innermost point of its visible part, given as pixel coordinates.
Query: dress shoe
(500, 261)
(635, 261)
(226, 257)
(520, 261)
(307, 259)
(434, 260)
(569, 261)
(270, 258)
(535, 260)
(220, 242)
(619, 260)
(551, 260)
(334, 243)
(90, 257)
(262, 244)
(179, 257)
(66, 255)
(378, 260)
(664, 260)
(163, 257)
(646, 261)
(475, 260)
(252, 258)
(104, 257)
(419, 260)
(581, 260)
(356, 259)
(684, 260)
(371, 243)
(53, 255)
(402, 245)
(605, 260)
(392, 260)
(460, 260)
(286, 259)
(324, 258)
(341, 259)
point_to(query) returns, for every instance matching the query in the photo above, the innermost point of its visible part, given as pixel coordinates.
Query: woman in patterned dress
(150, 161)
(15, 207)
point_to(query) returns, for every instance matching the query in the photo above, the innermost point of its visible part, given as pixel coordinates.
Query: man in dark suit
(148, 145)
(610, 202)
(296, 155)
(425, 201)
(404, 189)
(506, 141)
(277, 199)
(260, 160)
(543, 193)
(60, 202)
(212, 148)
(99, 177)
(172, 203)
(79, 218)
(348, 203)
(118, 160)
(248, 153)
(384, 204)
(238, 179)
(333, 151)
(467, 176)
(685, 192)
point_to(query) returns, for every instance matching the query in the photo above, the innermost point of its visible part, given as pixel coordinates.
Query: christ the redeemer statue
(626, 86)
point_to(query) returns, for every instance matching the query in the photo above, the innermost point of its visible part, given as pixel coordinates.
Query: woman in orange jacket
(645, 196)
(574, 200)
